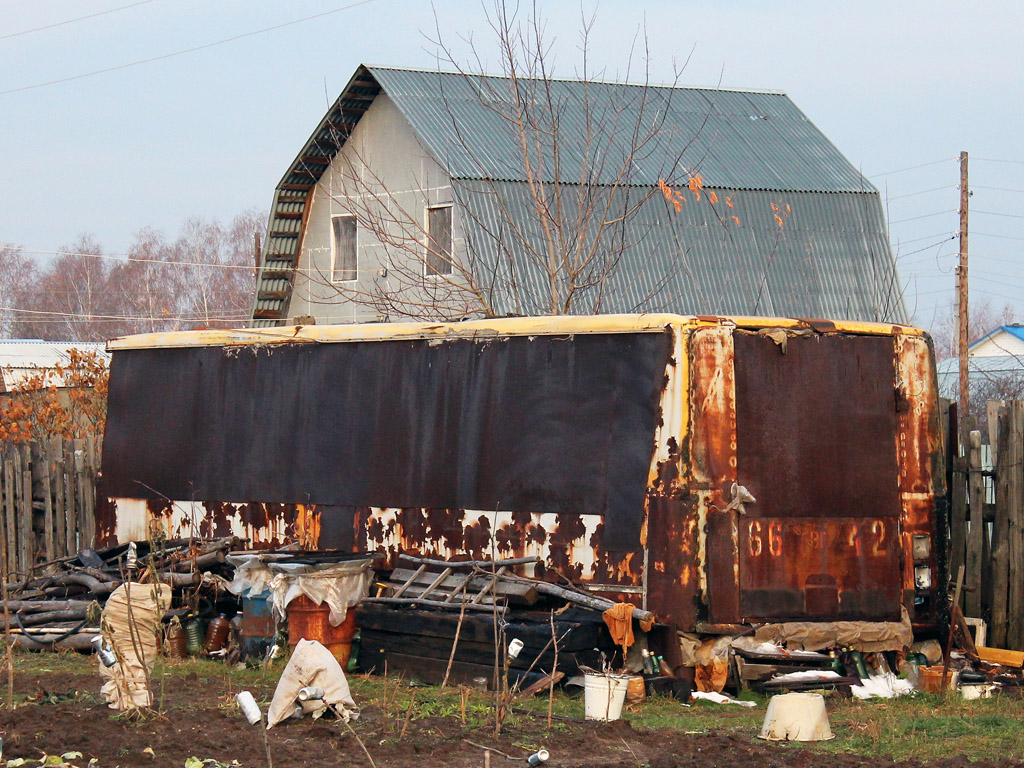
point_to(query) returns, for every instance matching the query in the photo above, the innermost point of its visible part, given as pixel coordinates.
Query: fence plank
(83, 492)
(976, 533)
(41, 461)
(26, 513)
(1015, 505)
(69, 498)
(10, 526)
(1000, 533)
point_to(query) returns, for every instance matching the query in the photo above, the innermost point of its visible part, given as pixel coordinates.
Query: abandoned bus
(716, 471)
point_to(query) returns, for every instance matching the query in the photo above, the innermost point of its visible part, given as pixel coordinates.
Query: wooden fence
(47, 500)
(986, 530)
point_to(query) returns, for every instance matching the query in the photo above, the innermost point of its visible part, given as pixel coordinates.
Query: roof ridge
(602, 81)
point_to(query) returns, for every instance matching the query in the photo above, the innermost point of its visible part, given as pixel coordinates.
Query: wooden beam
(1001, 528)
(976, 533)
(1015, 506)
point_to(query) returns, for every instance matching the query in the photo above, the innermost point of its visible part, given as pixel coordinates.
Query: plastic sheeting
(131, 621)
(341, 585)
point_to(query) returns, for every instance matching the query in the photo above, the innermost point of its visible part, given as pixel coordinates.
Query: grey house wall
(405, 178)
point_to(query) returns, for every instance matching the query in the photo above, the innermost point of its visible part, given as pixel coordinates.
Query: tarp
(340, 585)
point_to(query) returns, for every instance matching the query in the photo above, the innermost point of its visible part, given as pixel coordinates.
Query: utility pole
(961, 283)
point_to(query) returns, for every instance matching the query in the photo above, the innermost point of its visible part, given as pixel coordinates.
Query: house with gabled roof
(416, 196)
(995, 365)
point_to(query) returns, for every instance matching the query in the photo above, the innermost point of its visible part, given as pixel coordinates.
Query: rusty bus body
(610, 446)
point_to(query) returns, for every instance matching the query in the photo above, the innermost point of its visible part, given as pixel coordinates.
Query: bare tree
(17, 273)
(203, 278)
(983, 318)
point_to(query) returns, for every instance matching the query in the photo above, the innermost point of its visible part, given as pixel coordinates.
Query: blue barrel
(259, 625)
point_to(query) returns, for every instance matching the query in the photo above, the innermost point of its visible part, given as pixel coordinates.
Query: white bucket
(796, 717)
(603, 696)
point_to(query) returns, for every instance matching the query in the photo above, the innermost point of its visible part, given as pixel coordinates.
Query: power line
(126, 257)
(927, 247)
(912, 167)
(1007, 215)
(186, 50)
(72, 21)
(239, 315)
(1001, 237)
(924, 216)
(997, 189)
(922, 192)
(997, 160)
(901, 241)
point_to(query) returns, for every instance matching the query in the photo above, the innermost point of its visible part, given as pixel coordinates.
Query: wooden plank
(1001, 529)
(26, 514)
(10, 524)
(1001, 656)
(1015, 505)
(57, 488)
(976, 531)
(44, 469)
(69, 497)
(992, 408)
(957, 514)
(88, 490)
(55, 453)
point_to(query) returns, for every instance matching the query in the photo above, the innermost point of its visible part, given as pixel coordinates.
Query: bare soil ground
(59, 710)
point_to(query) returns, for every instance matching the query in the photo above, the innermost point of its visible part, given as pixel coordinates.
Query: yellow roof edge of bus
(513, 326)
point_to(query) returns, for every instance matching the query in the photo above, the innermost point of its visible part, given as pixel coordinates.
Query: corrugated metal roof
(734, 139)
(830, 258)
(21, 358)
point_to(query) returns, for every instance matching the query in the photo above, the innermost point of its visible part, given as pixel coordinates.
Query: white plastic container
(603, 696)
(249, 707)
(796, 717)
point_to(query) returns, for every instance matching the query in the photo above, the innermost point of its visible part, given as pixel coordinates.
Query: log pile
(59, 605)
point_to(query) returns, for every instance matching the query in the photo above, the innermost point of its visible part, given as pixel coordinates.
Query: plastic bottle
(217, 633)
(194, 636)
(664, 668)
(177, 642)
(648, 661)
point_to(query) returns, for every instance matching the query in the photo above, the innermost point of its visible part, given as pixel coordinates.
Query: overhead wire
(912, 167)
(182, 52)
(921, 192)
(1006, 215)
(997, 189)
(924, 216)
(72, 21)
(239, 315)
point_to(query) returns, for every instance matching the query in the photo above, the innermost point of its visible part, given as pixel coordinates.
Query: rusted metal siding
(816, 425)
(921, 476)
(712, 442)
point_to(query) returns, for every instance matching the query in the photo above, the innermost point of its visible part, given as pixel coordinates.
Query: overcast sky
(895, 85)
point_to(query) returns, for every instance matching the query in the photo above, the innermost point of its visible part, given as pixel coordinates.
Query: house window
(439, 240)
(344, 245)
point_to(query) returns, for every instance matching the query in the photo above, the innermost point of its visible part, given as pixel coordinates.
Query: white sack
(311, 664)
(131, 621)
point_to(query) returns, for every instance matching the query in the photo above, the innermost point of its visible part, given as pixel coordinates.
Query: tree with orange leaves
(67, 401)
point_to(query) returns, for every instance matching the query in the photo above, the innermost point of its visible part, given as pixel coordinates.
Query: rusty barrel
(307, 620)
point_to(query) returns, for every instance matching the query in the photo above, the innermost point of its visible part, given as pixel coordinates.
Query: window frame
(334, 249)
(447, 267)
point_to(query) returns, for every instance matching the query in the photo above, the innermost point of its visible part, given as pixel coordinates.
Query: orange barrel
(307, 620)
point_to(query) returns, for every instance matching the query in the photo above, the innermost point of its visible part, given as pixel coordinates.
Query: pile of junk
(479, 623)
